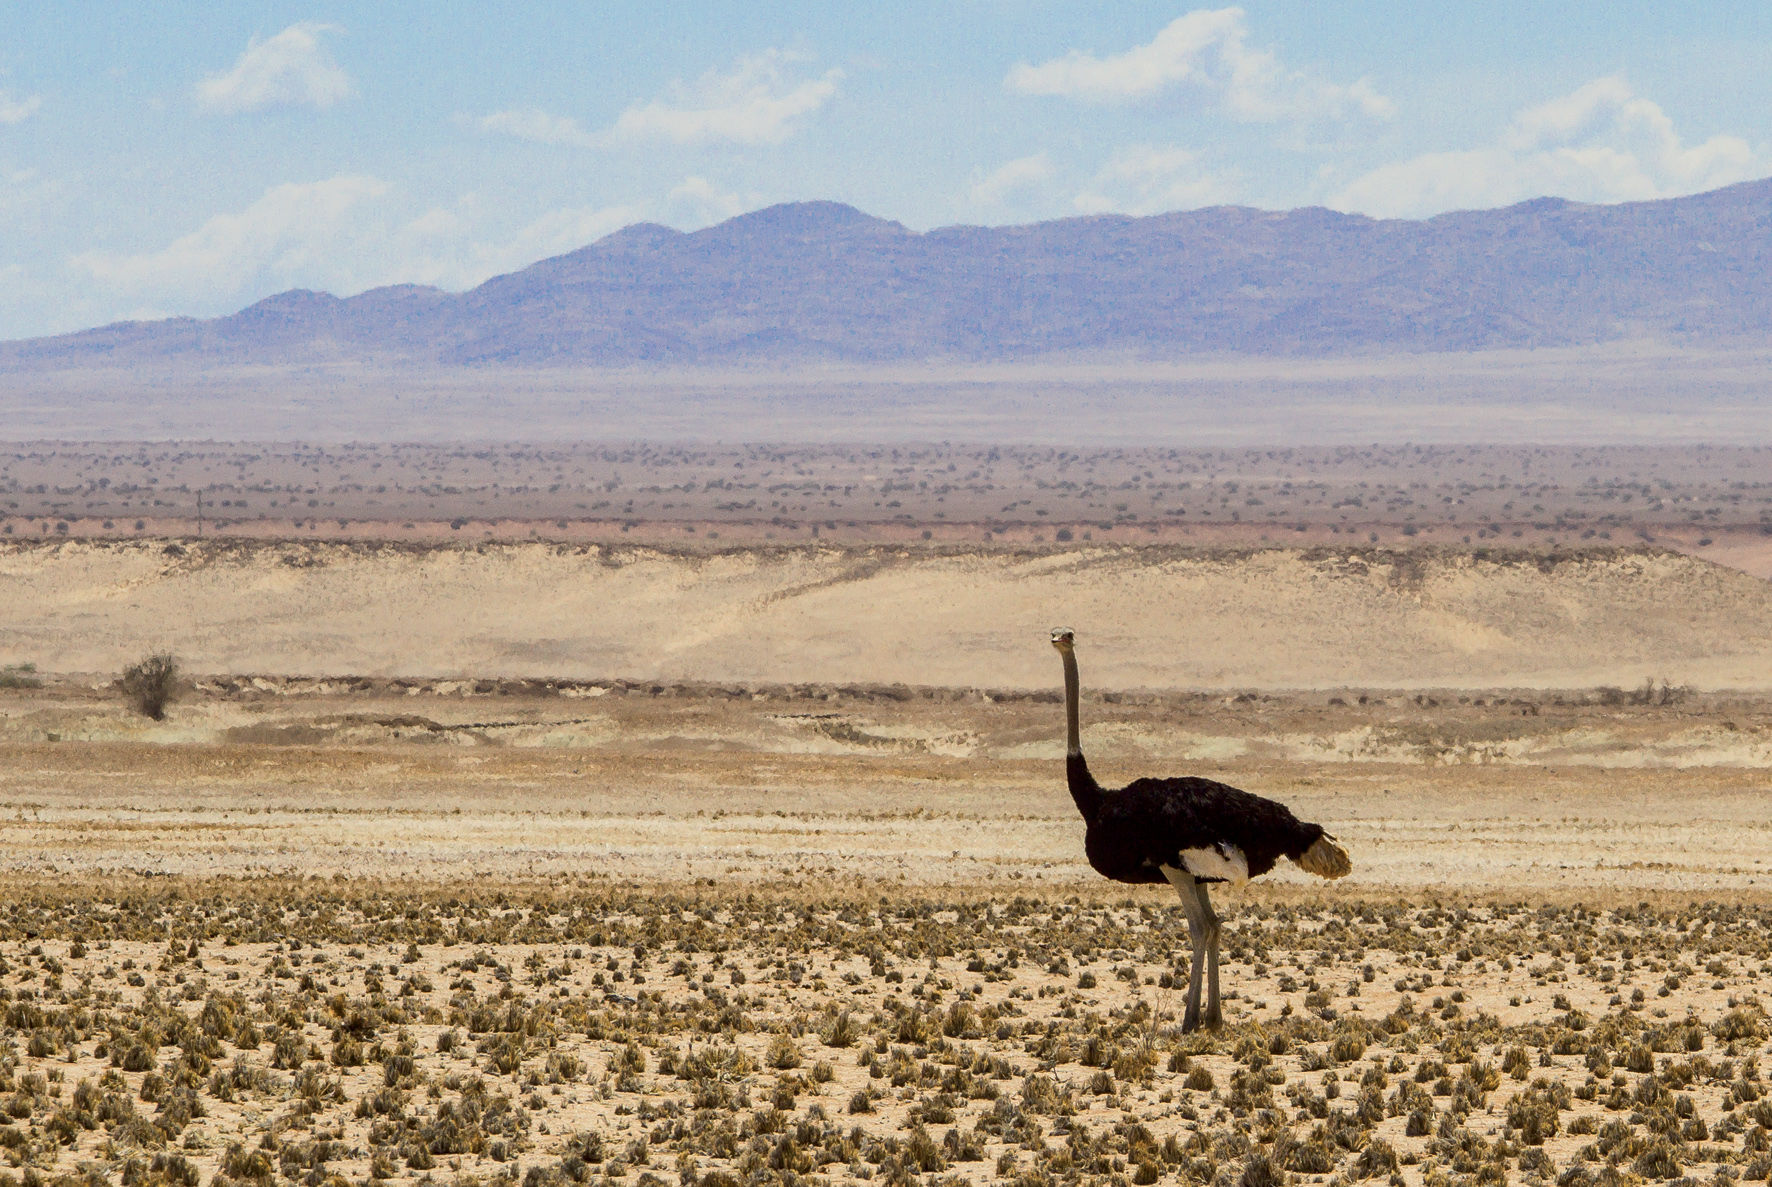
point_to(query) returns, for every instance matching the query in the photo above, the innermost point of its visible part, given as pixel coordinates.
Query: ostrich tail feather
(1325, 859)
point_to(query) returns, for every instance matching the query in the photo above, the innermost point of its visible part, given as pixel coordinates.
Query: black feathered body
(1151, 823)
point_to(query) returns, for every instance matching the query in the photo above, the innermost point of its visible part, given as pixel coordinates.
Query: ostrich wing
(1212, 830)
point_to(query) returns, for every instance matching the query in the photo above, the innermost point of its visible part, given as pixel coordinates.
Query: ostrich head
(1063, 637)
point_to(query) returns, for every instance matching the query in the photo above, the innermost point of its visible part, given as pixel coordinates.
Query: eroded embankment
(1146, 617)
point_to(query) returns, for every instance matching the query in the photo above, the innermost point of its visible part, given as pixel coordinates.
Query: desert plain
(560, 846)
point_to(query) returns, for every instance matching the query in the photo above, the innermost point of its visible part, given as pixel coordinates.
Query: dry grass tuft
(309, 1033)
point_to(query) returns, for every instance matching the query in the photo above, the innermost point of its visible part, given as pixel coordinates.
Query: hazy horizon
(1622, 394)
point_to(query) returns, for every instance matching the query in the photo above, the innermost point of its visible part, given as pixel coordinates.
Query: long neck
(1084, 789)
(1073, 737)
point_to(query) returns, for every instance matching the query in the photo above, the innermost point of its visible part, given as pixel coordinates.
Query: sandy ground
(1515, 793)
(414, 931)
(1148, 618)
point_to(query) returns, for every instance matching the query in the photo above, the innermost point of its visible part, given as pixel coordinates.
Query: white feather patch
(1222, 860)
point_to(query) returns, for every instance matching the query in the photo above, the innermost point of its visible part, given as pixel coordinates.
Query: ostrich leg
(1198, 915)
(1214, 1017)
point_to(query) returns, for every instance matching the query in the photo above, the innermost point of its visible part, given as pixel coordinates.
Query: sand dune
(1146, 617)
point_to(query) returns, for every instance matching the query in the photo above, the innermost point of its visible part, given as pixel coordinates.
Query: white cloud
(17, 111)
(25, 191)
(296, 234)
(756, 102)
(1601, 143)
(554, 233)
(541, 127)
(341, 235)
(1572, 117)
(291, 68)
(1154, 179)
(453, 249)
(697, 201)
(1011, 179)
(1208, 49)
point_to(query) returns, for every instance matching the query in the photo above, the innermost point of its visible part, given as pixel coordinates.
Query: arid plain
(577, 843)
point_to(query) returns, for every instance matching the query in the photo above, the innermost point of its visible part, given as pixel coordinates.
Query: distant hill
(815, 281)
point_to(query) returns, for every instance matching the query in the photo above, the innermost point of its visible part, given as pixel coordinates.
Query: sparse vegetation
(20, 676)
(507, 1043)
(1468, 497)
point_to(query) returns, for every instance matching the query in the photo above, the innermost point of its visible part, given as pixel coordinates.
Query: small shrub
(240, 1163)
(20, 676)
(151, 684)
(1259, 1171)
(1740, 1023)
(784, 1053)
(1659, 1161)
(1378, 1158)
(841, 1032)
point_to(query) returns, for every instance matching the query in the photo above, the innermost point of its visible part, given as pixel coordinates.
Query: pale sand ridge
(1150, 618)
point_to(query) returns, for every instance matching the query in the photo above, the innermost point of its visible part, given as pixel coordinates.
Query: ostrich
(1189, 832)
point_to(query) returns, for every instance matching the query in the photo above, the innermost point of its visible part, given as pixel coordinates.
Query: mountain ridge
(822, 281)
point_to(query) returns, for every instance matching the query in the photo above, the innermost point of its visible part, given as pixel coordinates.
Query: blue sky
(193, 158)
